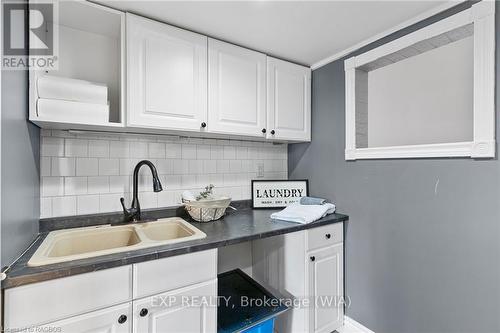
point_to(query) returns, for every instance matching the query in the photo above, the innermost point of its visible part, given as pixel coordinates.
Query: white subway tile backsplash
(127, 166)
(45, 207)
(173, 150)
(109, 166)
(181, 167)
(64, 206)
(164, 166)
(149, 200)
(89, 172)
(63, 166)
(52, 146)
(188, 151)
(45, 166)
(202, 152)
(138, 149)
(195, 166)
(156, 150)
(241, 153)
(216, 152)
(119, 149)
(87, 166)
(76, 147)
(87, 204)
(52, 186)
(235, 166)
(166, 198)
(209, 166)
(75, 185)
(98, 148)
(229, 152)
(111, 202)
(98, 185)
(119, 184)
(222, 166)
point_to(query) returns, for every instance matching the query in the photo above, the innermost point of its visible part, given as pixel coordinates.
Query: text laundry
(276, 193)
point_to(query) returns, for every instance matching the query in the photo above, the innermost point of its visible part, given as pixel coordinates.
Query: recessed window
(427, 94)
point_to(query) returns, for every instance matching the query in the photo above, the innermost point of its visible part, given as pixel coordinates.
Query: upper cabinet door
(288, 101)
(237, 90)
(167, 76)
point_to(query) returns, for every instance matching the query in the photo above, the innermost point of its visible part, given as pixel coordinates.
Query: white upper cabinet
(166, 76)
(288, 101)
(237, 90)
(162, 79)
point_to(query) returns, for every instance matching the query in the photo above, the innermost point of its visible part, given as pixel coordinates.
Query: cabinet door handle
(328, 236)
(143, 313)
(203, 124)
(313, 258)
(122, 319)
(264, 131)
(273, 132)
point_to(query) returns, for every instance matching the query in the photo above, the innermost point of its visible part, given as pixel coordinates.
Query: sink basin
(168, 230)
(79, 243)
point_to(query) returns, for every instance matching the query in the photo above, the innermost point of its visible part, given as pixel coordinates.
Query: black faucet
(134, 212)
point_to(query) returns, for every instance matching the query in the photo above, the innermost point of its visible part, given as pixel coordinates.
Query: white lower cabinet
(116, 319)
(306, 266)
(191, 309)
(326, 282)
(88, 302)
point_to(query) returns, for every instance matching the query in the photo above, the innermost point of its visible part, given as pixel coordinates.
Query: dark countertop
(236, 227)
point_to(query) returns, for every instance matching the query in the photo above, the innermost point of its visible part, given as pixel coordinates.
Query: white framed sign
(278, 193)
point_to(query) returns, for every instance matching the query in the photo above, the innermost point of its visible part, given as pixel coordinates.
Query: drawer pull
(122, 319)
(328, 236)
(143, 313)
(313, 258)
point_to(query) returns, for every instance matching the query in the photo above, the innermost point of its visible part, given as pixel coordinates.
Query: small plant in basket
(207, 194)
(205, 207)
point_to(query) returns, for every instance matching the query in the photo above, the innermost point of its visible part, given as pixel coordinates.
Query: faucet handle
(129, 214)
(125, 210)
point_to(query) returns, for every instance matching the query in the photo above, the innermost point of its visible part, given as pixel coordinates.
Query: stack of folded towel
(308, 210)
(77, 100)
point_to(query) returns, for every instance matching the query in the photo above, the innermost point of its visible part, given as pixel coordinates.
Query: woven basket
(207, 210)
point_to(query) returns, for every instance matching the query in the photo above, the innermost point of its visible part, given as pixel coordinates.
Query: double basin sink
(80, 243)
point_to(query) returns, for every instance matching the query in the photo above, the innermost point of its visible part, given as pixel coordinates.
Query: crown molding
(425, 15)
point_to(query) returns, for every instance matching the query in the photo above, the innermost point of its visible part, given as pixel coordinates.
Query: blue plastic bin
(237, 315)
(265, 327)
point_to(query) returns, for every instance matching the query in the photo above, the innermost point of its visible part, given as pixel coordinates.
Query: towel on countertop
(304, 213)
(312, 201)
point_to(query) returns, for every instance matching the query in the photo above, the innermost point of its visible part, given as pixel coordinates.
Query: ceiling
(302, 31)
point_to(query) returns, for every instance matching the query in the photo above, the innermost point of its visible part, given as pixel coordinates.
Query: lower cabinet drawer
(48, 301)
(157, 276)
(325, 236)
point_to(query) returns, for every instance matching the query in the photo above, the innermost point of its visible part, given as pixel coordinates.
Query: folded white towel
(304, 213)
(72, 111)
(54, 87)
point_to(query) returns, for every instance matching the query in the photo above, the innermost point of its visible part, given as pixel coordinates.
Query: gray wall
(423, 240)
(20, 197)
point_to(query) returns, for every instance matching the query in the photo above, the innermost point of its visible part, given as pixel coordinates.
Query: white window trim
(482, 16)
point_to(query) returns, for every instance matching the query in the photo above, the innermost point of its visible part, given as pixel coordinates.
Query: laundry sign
(278, 193)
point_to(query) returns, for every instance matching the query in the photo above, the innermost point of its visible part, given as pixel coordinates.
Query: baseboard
(352, 326)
